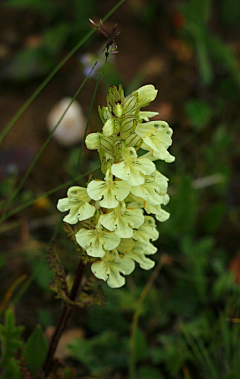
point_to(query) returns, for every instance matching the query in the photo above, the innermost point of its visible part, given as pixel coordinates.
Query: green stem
(145, 291)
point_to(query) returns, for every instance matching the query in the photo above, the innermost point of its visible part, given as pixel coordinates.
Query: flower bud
(108, 128)
(146, 94)
(113, 97)
(93, 141)
(118, 110)
(104, 113)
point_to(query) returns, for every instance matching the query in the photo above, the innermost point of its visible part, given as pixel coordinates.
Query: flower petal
(111, 267)
(97, 241)
(145, 115)
(146, 231)
(93, 141)
(63, 204)
(86, 211)
(136, 251)
(95, 189)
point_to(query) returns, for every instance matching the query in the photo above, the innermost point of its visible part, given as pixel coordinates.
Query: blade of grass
(200, 356)
(226, 333)
(207, 357)
(52, 74)
(195, 353)
(236, 347)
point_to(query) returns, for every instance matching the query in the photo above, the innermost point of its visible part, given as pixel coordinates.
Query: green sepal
(113, 97)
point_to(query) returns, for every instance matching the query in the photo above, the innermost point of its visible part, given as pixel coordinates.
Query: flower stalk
(63, 320)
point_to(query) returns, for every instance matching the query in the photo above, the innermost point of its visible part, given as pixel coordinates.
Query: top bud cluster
(113, 226)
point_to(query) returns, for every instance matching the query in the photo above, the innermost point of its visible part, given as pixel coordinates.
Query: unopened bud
(118, 110)
(146, 94)
(93, 141)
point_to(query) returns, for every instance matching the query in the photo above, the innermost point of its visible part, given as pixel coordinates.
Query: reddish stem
(63, 320)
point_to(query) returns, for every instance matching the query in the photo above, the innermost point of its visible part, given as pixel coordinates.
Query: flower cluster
(115, 226)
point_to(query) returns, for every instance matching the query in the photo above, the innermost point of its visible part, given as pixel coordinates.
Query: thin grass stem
(145, 291)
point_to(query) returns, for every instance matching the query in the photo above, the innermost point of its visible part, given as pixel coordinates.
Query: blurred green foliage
(10, 337)
(211, 51)
(65, 23)
(189, 323)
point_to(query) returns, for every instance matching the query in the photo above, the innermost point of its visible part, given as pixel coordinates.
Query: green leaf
(10, 342)
(36, 349)
(9, 336)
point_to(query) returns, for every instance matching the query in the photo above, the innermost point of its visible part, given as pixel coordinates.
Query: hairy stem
(63, 319)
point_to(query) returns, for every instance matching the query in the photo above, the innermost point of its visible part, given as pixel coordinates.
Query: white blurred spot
(71, 128)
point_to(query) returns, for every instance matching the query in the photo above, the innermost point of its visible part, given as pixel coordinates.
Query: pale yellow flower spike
(117, 233)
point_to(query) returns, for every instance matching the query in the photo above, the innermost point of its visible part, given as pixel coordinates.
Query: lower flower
(97, 241)
(111, 266)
